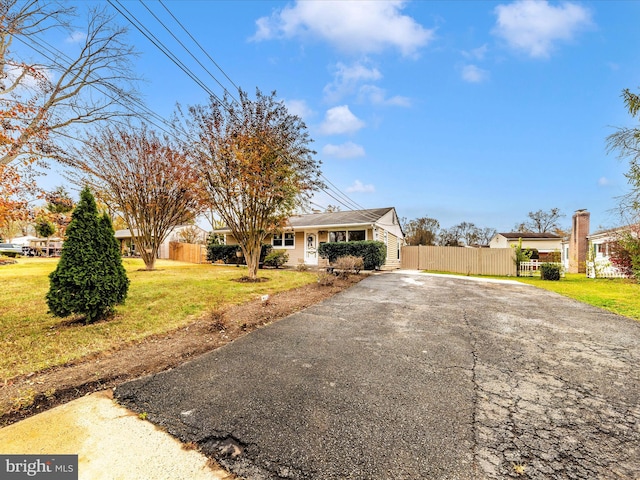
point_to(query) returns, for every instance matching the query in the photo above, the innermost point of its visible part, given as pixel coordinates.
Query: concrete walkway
(111, 442)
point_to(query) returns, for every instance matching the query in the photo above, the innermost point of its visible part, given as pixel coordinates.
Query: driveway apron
(415, 376)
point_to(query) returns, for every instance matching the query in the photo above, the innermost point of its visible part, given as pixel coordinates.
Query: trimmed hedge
(227, 253)
(276, 258)
(373, 253)
(549, 271)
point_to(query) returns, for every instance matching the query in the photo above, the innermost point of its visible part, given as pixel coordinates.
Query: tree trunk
(252, 255)
(148, 254)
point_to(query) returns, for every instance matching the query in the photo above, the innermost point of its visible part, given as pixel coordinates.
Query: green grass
(174, 295)
(618, 295)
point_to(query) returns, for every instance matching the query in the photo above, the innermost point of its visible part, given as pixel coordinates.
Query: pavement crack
(476, 393)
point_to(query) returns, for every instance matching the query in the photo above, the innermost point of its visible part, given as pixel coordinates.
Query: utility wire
(341, 197)
(199, 46)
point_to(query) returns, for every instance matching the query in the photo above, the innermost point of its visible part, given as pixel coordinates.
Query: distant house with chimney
(576, 246)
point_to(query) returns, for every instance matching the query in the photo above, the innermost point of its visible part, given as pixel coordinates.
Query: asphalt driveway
(414, 376)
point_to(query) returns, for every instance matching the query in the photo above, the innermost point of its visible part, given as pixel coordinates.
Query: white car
(10, 248)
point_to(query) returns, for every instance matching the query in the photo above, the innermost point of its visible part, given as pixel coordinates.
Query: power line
(341, 198)
(199, 46)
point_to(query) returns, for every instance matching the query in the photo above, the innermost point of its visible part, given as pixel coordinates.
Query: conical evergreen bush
(89, 279)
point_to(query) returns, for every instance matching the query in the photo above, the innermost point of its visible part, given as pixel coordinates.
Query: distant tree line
(427, 231)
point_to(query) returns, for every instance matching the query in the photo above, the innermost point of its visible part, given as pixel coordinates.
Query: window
(339, 236)
(357, 235)
(286, 240)
(347, 235)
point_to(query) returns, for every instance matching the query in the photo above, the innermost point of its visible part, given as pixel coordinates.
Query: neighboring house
(304, 233)
(598, 262)
(544, 243)
(128, 247)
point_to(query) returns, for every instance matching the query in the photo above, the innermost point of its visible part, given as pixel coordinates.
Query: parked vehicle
(10, 249)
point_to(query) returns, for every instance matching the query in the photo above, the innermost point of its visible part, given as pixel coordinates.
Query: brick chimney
(578, 243)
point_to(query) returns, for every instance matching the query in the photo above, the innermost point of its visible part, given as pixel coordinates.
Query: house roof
(333, 219)
(611, 231)
(530, 236)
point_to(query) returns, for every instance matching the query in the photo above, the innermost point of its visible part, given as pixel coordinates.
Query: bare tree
(541, 222)
(485, 235)
(42, 103)
(449, 237)
(254, 160)
(147, 177)
(421, 231)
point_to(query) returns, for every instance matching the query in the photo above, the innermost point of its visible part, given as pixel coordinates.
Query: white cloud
(346, 150)
(477, 53)
(378, 96)
(339, 120)
(299, 108)
(474, 74)
(534, 26)
(361, 27)
(359, 187)
(347, 78)
(76, 37)
(604, 182)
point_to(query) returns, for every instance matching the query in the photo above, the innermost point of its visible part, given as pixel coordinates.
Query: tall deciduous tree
(256, 165)
(626, 142)
(147, 177)
(541, 222)
(41, 103)
(89, 279)
(422, 231)
(44, 101)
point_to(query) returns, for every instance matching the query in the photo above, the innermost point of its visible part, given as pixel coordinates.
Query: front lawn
(618, 295)
(174, 295)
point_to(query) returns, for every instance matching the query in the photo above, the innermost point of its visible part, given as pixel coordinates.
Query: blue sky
(474, 111)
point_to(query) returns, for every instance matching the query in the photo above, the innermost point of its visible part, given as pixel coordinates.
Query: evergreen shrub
(276, 258)
(373, 253)
(550, 271)
(89, 279)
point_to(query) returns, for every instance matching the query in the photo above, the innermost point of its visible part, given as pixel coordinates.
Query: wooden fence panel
(187, 252)
(469, 261)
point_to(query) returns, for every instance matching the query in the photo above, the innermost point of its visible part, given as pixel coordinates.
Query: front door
(311, 248)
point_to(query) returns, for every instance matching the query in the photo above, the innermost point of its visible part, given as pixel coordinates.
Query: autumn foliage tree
(422, 231)
(44, 101)
(254, 159)
(146, 176)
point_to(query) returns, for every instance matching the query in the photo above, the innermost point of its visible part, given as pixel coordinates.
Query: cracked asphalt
(410, 376)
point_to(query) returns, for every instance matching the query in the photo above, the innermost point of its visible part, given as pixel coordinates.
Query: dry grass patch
(160, 301)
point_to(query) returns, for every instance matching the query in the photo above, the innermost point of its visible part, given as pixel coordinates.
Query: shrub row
(550, 271)
(227, 253)
(373, 253)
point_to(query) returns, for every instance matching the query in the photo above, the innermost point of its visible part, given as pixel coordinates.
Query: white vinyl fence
(532, 268)
(603, 269)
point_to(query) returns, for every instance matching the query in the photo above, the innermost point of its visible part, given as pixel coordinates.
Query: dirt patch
(34, 393)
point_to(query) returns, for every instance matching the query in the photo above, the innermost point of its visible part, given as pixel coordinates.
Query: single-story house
(303, 234)
(544, 243)
(128, 247)
(598, 259)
